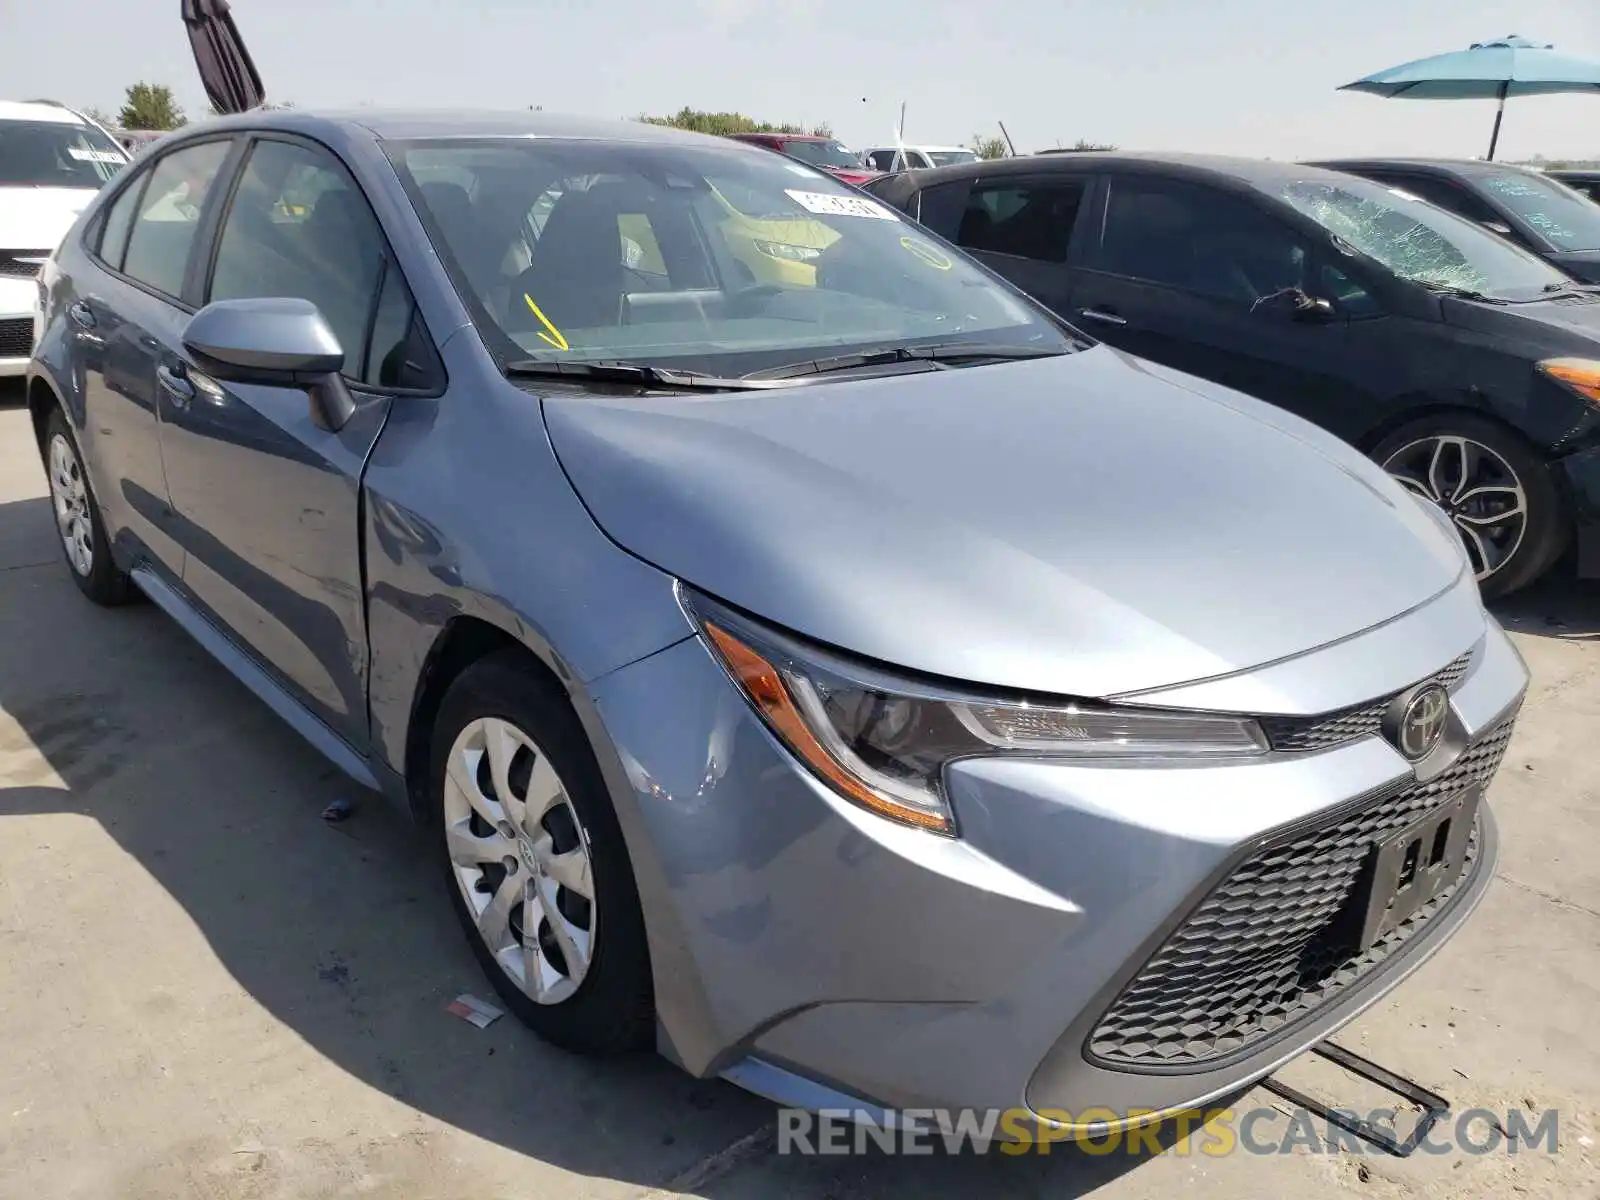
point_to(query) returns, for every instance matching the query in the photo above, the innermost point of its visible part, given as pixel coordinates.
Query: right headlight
(883, 742)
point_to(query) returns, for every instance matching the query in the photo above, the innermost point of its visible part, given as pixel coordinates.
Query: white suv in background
(52, 162)
(914, 158)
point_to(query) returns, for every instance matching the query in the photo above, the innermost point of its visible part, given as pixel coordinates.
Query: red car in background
(822, 152)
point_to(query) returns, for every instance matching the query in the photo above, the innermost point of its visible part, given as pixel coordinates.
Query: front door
(1201, 280)
(268, 501)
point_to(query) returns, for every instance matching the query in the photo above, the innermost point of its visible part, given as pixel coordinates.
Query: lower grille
(22, 264)
(1272, 943)
(16, 337)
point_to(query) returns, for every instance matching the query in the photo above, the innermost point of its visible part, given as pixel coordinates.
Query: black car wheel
(1492, 485)
(537, 869)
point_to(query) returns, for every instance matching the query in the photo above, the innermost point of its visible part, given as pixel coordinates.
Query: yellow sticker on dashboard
(927, 254)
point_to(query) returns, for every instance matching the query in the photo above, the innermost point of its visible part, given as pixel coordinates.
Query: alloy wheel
(1475, 487)
(521, 859)
(70, 496)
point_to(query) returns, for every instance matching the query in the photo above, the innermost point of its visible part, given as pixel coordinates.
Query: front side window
(1025, 220)
(1559, 217)
(1419, 241)
(164, 228)
(1199, 239)
(698, 258)
(1447, 194)
(298, 227)
(56, 154)
(823, 154)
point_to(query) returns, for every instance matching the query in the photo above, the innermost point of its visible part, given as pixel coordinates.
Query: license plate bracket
(1411, 867)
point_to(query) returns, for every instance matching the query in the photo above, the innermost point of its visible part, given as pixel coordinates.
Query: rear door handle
(82, 315)
(175, 385)
(1101, 315)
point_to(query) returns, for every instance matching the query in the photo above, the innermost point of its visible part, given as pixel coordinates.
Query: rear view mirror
(277, 342)
(1499, 227)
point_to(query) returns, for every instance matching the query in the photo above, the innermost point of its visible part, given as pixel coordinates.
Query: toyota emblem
(1419, 720)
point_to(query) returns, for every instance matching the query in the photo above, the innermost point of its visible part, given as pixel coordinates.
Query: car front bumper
(19, 305)
(1580, 473)
(825, 957)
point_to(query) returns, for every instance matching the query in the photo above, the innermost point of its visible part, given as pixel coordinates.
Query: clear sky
(1235, 76)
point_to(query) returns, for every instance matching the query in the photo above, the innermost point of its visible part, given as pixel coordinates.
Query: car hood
(1085, 525)
(1580, 264)
(1541, 325)
(34, 218)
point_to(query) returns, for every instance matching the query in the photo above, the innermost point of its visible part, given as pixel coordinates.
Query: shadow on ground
(1558, 606)
(343, 932)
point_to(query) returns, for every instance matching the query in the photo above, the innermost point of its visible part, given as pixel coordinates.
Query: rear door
(1185, 274)
(1021, 227)
(127, 325)
(268, 500)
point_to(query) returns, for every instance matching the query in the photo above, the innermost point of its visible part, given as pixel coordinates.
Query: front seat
(577, 277)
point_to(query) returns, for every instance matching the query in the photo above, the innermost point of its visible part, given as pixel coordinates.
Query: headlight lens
(883, 743)
(1581, 375)
(787, 251)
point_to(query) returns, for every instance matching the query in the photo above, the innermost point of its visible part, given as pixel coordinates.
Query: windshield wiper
(628, 372)
(1448, 289)
(939, 355)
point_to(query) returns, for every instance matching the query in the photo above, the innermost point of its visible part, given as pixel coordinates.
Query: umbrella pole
(1499, 114)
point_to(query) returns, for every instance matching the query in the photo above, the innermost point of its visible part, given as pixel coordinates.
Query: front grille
(1298, 734)
(16, 338)
(1275, 941)
(14, 264)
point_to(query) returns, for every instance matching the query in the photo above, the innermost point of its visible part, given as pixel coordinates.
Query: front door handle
(175, 385)
(1101, 315)
(81, 314)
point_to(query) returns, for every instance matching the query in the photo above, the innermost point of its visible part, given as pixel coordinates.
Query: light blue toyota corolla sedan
(806, 654)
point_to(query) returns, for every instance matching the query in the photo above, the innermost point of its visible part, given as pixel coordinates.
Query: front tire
(79, 526)
(1495, 488)
(535, 862)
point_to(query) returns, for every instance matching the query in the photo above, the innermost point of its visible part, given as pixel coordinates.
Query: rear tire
(79, 528)
(1495, 488)
(535, 862)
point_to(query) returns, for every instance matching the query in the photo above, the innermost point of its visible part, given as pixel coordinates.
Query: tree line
(153, 106)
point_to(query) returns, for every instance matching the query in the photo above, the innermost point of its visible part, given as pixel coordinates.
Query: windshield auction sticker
(830, 204)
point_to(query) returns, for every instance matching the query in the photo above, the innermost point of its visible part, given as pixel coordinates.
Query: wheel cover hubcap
(521, 859)
(70, 497)
(1475, 488)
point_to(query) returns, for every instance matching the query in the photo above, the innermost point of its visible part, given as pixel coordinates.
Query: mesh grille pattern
(16, 338)
(12, 264)
(1277, 939)
(1346, 724)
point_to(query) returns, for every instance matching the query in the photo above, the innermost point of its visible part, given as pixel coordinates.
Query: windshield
(824, 154)
(56, 154)
(694, 258)
(1556, 215)
(1420, 242)
(948, 158)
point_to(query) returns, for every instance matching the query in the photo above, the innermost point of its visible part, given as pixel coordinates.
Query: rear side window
(163, 231)
(940, 207)
(1451, 197)
(1199, 239)
(1024, 220)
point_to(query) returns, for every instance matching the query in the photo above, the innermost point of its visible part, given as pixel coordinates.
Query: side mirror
(1297, 305)
(276, 342)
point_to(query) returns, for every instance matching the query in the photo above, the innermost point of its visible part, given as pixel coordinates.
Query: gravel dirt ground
(209, 992)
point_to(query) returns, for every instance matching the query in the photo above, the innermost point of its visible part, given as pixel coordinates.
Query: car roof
(38, 110)
(1460, 168)
(1259, 173)
(406, 124)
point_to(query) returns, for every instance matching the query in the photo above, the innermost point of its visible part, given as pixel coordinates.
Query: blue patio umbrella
(1497, 70)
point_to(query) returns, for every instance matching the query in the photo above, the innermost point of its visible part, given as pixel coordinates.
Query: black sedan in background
(1534, 210)
(1466, 366)
(1580, 179)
